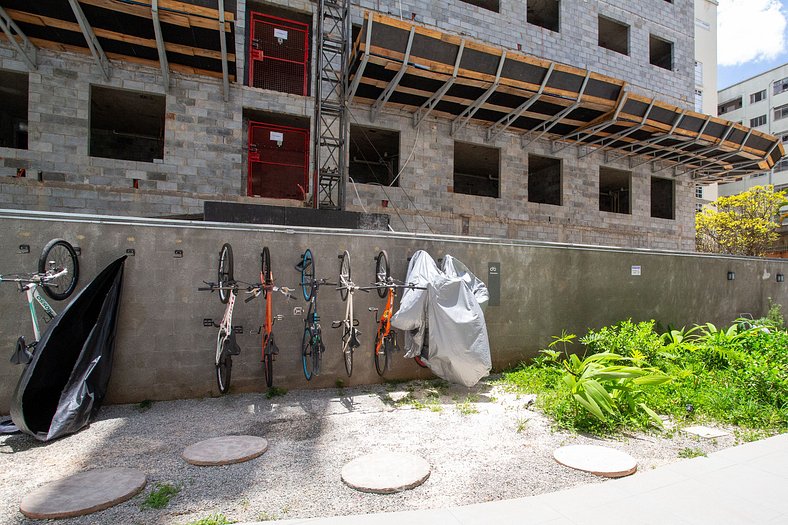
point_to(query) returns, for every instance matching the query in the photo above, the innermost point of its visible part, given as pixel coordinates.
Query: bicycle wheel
(344, 275)
(224, 364)
(62, 254)
(225, 274)
(306, 354)
(307, 274)
(382, 272)
(268, 362)
(265, 271)
(381, 356)
(349, 360)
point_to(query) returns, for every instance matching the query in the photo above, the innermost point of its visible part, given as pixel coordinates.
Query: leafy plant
(275, 391)
(213, 519)
(688, 452)
(160, 496)
(466, 408)
(144, 405)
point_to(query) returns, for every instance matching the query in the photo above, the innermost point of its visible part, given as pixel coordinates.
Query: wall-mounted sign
(636, 270)
(280, 34)
(494, 283)
(277, 136)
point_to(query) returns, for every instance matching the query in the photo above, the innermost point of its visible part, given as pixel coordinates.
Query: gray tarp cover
(452, 308)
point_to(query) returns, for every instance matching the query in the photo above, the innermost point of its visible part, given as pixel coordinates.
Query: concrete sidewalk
(747, 484)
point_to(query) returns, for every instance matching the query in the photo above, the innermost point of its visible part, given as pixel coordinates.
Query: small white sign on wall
(277, 136)
(281, 34)
(636, 270)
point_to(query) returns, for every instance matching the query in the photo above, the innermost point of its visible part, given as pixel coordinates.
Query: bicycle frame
(30, 285)
(384, 323)
(226, 326)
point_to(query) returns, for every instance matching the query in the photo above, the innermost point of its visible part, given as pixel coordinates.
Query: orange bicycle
(386, 338)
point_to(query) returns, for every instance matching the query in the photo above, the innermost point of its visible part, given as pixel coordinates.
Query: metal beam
(223, 47)
(392, 86)
(616, 136)
(702, 151)
(458, 123)
(552, 122)
(605, 122)
(436, 97)
(363, 64)
(676, 152)
(500, 126)
(165, 68)
(25, 48)
(90, 38)
(730, 154)
(639, 146)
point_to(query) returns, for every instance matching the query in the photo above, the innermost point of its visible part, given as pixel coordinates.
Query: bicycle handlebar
(39, 278)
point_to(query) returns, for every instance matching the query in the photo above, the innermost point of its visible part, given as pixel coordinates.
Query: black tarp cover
(63, 386)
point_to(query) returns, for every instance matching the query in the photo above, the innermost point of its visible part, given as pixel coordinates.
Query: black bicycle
(312, 346)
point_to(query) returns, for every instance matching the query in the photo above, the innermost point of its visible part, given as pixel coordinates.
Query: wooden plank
(168, 17)
(44, 21)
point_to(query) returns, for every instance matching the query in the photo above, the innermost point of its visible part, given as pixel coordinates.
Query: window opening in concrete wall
(13, 109)
(757, 96)
(758, 121)
(492, 5)
(278, 49)
(476, 170)
(277, 156)
(731, 105)
(544, 13)
(614, 190)
(613, 35)
(663, 198)
(544, 180)
(126, 125)
(660, 52)
(374, 155)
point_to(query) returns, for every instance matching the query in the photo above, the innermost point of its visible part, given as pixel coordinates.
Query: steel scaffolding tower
(331, 125)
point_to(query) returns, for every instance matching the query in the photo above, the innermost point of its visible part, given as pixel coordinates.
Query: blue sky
(751, 38)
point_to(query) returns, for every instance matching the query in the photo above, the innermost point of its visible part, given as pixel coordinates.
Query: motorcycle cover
(444, 323)
(63, 386)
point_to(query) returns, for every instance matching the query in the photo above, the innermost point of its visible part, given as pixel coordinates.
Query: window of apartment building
(278, 49)
(476, 170)
(544, 180)
(126, 125)
(544, 13)
(758, 121)
(660, 52)
(613, 35)
(698, 73)
(614, 190)
(781, 112)
(492, 5)
(374, 155)
(662, 198)
(757, 96)
(13, 110)
(780, 86)
(698, 191)
(731, 105)
(699, 100)
(698, 207)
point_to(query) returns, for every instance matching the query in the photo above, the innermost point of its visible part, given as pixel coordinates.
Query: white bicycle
(350, 333)
(58, 273)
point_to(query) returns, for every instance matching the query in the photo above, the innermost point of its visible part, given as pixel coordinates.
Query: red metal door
(278, 161)
(278, 54)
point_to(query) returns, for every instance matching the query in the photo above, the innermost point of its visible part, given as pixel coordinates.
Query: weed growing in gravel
(142, 406)
(275, 391)
(213, 519)
(339, 383)
(268, 516)
(522, 424)
(466, 408)
(689, 452)
(160, 496)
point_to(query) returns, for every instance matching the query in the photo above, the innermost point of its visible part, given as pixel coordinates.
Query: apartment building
(532, 119)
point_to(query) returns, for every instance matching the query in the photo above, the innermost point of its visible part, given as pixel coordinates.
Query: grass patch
(275, 391)
(430, 401)
(144, 405)
(522, 424)
(160, 496)
(689, 452)
(466, 408)
(213, 519)
(268, 516)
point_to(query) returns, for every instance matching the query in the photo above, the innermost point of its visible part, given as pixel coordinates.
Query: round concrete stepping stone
(225, 450)
(602, 461)
(386, 472)
(83, 493)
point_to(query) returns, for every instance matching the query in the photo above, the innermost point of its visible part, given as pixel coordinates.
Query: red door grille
(278, 161)
(278, 54)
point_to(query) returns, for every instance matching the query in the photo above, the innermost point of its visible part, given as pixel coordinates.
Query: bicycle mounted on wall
(312, 346)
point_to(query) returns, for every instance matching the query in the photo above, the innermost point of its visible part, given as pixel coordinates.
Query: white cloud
(749, 30)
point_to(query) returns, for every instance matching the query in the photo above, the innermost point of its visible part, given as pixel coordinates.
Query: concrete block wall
(205, 137)
(163, 350)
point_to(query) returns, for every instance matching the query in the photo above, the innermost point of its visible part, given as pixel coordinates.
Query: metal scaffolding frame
(589, 130)
(550, 123)
(331, 89)
(25, 48)
(165, 68)
(460, 122)
(436, 97)
(499, 127)
(90, 38)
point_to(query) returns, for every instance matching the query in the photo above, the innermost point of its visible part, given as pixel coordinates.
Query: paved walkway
(747, 484)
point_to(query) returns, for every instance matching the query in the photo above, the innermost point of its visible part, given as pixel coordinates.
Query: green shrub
(160, 496)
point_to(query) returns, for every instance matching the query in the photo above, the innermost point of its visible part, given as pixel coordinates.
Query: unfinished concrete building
(530, 119)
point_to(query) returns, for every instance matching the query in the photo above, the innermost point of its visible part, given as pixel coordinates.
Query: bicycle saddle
(354, 342)
(234, 349)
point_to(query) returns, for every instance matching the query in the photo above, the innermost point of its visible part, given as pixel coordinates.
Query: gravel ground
(483, 444)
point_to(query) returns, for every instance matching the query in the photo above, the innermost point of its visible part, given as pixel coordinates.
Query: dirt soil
(483, 444)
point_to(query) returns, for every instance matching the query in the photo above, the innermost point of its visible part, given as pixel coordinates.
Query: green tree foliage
(743, 224)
